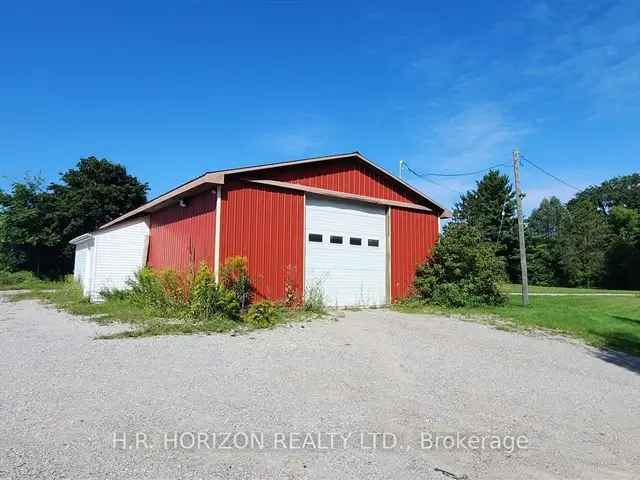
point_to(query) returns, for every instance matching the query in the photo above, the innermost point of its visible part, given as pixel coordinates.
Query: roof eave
(81, 238)
(183, 190)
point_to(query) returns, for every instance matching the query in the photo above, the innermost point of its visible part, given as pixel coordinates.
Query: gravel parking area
(65, 397)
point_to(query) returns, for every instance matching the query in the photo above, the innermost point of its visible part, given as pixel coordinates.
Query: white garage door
(345, 251)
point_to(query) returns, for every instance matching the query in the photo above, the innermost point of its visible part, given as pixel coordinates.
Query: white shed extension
(106, 259)
(82, 262)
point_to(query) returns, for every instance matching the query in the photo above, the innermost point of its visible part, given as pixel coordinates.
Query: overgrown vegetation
(265, 314)
(185, 296)
(234, 277)
(22, 280)
(314, 298)
(168, 302)
(208, 299)
(463, 270)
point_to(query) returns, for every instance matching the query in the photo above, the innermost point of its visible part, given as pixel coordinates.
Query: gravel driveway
(72, 405)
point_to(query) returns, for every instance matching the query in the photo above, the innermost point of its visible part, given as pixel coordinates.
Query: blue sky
(174, 89)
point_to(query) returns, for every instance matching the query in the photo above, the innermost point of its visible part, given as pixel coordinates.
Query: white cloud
(473, 138)
(594, 54)
(587, 55)
(477, 136)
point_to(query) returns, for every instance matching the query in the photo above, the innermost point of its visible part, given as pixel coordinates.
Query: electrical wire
(550, 174)
(430, 180)
(461, 174)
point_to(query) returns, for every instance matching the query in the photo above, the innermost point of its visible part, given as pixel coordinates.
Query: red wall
(413, 235)
(345, 175)
(266, 225)
(182, 237)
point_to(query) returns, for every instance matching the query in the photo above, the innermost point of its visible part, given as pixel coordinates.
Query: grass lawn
(604, 322)
(68, 296)
(516, 288)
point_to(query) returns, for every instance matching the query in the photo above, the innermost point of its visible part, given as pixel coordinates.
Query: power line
(551, 174)
(463, 174)
(430, 180)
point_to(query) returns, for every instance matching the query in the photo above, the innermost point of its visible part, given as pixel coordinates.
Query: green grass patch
(24, 281)
(516, 288)
(604, 322)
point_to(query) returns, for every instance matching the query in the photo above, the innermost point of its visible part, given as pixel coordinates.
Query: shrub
(210, 299)
(463, 270)
(21, 279)
(165, 293)
(176, 286)
(448, 294)
(168, 293)
(15, 278)
(264, 314)
(234, 276)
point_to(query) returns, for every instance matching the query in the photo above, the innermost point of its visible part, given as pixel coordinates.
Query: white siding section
(80, 261)
(118, 253)
(348, 274)
(82, 264)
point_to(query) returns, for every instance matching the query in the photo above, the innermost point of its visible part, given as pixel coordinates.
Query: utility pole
(401, 168)
(523, 248)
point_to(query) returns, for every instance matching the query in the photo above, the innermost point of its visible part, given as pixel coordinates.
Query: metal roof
(217, 178)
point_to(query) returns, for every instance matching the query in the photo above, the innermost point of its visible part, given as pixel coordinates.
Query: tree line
(38, 220)
(591, 241)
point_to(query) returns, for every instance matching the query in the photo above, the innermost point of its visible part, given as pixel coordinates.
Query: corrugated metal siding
(266, 225)
(183, 237)
(413, 235)
(346, 175)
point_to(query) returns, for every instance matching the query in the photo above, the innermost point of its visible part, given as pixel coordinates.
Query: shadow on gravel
(615, 344)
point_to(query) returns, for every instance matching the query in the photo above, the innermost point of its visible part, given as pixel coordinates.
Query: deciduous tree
(37, 223)
(91, 194)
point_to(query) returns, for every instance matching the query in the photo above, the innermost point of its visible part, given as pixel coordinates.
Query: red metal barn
(338, 224)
